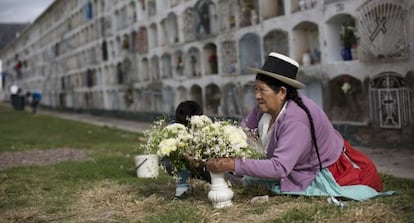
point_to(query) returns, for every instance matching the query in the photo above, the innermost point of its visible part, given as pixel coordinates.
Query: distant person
(14, 91)
(36, 97)
(3, 79)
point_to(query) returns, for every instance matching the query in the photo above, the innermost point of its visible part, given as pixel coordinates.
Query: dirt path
(396, 162)
(40, 157)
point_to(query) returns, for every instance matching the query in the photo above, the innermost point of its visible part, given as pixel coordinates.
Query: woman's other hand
(217, 165)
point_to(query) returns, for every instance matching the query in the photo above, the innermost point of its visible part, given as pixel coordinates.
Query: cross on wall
(379, 28)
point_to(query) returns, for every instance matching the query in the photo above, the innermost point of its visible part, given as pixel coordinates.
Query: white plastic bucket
(146, 166)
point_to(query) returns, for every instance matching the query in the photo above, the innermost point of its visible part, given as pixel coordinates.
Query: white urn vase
(220, 193)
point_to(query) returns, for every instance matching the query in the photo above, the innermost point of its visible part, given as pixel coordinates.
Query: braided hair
(293, 95)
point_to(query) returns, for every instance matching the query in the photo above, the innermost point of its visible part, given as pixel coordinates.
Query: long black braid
(293, 95)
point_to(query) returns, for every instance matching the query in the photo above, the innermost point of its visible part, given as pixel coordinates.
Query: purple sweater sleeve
(281, 159)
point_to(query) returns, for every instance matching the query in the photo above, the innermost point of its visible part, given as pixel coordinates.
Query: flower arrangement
(153, 137)
(129, 97)
(171, 141)
(203, 139)
(212, 60)
(180, 65)
(347, 34)
(213, 139)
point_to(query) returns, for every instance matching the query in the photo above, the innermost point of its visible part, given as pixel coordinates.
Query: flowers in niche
(347, 34)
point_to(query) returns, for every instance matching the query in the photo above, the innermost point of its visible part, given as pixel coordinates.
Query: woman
(305, 154)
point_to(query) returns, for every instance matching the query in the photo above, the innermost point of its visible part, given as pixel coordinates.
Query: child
(183, 112)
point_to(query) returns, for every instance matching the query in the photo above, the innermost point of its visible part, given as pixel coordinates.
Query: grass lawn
(104, 187)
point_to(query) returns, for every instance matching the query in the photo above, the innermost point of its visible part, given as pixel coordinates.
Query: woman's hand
(217, 165)
(192, 160)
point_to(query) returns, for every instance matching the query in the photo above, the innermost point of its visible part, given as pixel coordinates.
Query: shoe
(181, 191)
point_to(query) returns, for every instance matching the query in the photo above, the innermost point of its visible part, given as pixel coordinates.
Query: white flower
(218, 139)
(236, 136)
(200, 120)
(166, 146)
(176, 128)
(203, 138)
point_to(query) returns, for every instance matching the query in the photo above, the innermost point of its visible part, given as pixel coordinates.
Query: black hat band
(278, 66)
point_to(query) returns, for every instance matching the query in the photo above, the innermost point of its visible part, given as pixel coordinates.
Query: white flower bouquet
(214, 139)
(153, 137)
(168, 141)
(203, 139)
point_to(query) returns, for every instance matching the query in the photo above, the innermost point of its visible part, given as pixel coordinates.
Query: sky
(22, 11)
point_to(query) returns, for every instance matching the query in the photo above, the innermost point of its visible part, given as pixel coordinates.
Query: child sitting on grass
(183, 112)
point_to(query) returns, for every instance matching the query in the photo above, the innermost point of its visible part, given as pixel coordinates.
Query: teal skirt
(323, 185)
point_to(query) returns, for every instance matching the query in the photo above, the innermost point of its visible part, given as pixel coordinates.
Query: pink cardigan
(291, 156)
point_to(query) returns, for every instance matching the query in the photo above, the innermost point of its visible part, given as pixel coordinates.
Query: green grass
(104, 188)
(24, 131)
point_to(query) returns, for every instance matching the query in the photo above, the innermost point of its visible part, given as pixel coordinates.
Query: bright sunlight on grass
(101, 185)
